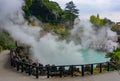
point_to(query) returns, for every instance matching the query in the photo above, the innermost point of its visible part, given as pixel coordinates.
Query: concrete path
(9, 74)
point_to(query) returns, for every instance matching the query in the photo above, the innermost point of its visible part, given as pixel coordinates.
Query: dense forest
(49, 11)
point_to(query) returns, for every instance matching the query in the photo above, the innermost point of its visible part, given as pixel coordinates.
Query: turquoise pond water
(82, 57)
(91, 56)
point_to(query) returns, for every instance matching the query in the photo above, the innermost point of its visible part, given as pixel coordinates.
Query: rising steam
(49, 49)
(101, 39)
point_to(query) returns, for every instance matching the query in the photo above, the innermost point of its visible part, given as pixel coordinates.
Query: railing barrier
(49, 71)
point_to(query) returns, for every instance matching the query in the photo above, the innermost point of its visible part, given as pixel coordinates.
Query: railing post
(108, 66)
(26, 67)
(61, 71)
(11, 61)
(29, 69)
(48, 71)
(14, 62)
(91, 69)
(71, 70)
(37, 74)
(82, 66)
(100, 67)
(17, 65)
(22, 68)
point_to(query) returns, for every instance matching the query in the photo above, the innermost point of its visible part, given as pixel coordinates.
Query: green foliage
(59, 30)
(66, 16)
(5, 41)
(100, 22)
(115, 27)
(96, 21)
(26, 9)
(52, 6)
(28, 4)
(71, 8)
(49, 11)
(115, 56)
(53, 9)
(108, 21)
(70, 12)
(45, 10)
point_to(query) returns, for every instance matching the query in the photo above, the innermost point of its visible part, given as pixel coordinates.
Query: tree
(26, 9)
(108, 21)
(54, 8)
(71, 8)
(71, 11)
(45, 10)
(115, 27)
(95, 20)
(69, 14)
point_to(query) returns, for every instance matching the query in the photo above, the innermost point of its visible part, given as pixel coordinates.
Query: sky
(105, 8)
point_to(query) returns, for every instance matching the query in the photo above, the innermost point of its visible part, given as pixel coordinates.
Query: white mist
(49, 49)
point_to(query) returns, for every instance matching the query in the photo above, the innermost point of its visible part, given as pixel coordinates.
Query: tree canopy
(115, 27)
(70, 12)
(95, 20)
(50, 11)
(71, 8)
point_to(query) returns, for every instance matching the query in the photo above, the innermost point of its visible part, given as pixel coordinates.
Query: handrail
(29, 68)
(81, 64)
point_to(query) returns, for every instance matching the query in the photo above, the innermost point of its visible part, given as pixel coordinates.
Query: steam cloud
(49, 49)
(100, 39)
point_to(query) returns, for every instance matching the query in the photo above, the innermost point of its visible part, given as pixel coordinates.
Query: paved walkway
(8, 74)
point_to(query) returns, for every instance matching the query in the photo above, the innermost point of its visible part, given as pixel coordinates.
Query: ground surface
(9, 74)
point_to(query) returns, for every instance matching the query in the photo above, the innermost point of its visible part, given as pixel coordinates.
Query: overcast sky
(105, 8)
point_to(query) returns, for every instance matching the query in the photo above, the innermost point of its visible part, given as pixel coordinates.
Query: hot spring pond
(79, 57)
